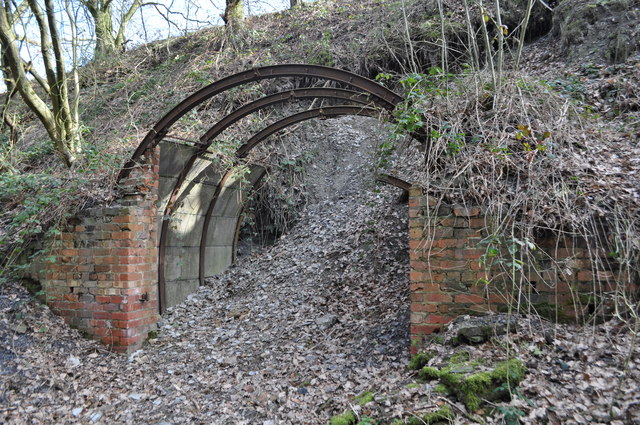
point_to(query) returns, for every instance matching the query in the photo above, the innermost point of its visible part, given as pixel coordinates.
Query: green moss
(490, 385)
(438, 340)
(429, 373)
(420, 360)
(441, 389)
(450, 380)
(347, 418)
(412, 385)
(442, 415)
(364, 398)
(471, 389)
(460, 357)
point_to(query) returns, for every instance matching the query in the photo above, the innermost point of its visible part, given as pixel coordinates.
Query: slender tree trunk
(233, 14)
(294, 3)
(103, 23)
(57, 120)
(7, 120)
(233, 17)
(109, 41)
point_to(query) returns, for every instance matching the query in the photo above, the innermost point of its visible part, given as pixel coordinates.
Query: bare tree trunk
(109, 41)
(58, 120)
(233, 17)
(103, 24)
(294, 3)
(233, 14)
(7, 120)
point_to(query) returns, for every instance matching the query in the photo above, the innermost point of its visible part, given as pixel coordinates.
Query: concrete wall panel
(218, 259)
(178, 291)
(182, 249)
(181, 263)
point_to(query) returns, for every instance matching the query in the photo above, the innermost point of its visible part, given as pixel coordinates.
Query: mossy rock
(472, 388)
(429, 373)
(477, 330)
(441, 389)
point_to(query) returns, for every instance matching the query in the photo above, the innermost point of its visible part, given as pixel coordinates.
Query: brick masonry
(100, 274)
(452, 275)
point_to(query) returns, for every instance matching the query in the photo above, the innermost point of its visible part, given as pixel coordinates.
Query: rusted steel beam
(282, 97)
(268, 72)
(322, 113)
(393, 181)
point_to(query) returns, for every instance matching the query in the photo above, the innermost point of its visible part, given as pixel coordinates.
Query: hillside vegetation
(122, 97)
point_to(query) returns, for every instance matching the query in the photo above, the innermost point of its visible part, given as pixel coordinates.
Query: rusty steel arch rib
(373, 93)
(208, 138)
(328, 112)
(243, 151)
(161, 128)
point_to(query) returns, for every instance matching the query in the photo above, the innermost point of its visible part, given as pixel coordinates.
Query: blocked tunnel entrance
(206, 162)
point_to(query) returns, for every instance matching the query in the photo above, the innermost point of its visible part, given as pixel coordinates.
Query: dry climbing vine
(536, 161)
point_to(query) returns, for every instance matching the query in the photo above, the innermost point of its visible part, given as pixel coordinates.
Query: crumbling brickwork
(452, 275)
(100, 273)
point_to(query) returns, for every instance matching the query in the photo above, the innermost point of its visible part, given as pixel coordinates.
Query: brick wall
(452, 273)
(100, 273)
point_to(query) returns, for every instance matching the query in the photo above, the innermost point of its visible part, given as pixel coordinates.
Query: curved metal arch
(232, 118)
(328, 112)
(322, 113)
(255, 106)
(286, 96)
(159, 130)
(373, 94)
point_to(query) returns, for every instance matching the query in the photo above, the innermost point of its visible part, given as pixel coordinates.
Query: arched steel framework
(366, 98)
